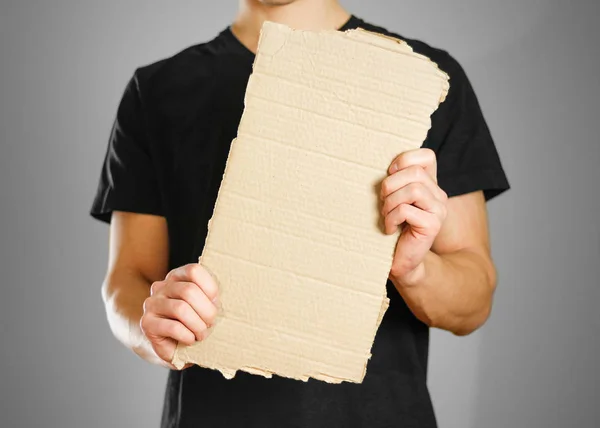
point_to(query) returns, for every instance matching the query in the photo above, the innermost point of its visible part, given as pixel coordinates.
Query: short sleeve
(128, 180)
(468, 159)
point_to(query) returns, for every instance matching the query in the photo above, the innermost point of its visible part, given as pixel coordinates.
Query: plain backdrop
(534, 65)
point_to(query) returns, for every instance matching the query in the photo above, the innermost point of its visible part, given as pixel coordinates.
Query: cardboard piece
(295, 241)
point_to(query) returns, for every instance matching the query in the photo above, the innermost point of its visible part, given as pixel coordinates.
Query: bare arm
(151, 310)
(138, 256)
(454, 289)
(442, 266)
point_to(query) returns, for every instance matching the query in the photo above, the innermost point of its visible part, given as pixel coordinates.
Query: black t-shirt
(166, 156)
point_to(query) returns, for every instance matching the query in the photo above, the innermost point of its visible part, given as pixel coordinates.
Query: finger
(156, 287)
(416, 194)
(426, 158)
(195, 297)
(411, 174)
(197, 274)
(181, 311)
(417, 218)
(157, 328)
(165, 347)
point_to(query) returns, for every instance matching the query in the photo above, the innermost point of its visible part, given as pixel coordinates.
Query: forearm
(124, 293)
(452, 292)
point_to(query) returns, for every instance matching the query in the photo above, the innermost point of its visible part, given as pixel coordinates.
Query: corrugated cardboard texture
(295, 242)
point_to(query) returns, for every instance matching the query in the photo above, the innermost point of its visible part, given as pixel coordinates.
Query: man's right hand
(182, 308)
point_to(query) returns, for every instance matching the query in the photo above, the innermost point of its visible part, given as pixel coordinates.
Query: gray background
(534, 65)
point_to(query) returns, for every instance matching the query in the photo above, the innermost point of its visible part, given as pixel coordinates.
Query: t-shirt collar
(352, 23)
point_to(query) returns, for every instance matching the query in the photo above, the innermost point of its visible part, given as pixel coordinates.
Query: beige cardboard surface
(295, 242)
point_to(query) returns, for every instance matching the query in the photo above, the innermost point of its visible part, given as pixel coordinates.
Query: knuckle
(171, 274)
(401, 160)
(415, 191)
(192, 270)
(429, 154)
(144, 323)
(155, 286)
(396, 269)
(172, 330)
(147, 304)
(385, 187)
(189, 270)
(418, 173)
(188, 292)
(179, 307)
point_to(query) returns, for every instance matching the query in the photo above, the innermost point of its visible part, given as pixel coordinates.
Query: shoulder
(177, 74)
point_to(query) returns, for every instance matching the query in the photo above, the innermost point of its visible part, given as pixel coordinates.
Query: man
(158, 186)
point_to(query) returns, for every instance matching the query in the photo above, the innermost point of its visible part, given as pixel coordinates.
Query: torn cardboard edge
(181, 358)
(279, 34)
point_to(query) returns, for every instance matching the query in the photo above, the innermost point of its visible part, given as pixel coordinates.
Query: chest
(194, 125)
(193, 128)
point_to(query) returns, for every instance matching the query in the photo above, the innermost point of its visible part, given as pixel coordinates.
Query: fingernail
(393, 168)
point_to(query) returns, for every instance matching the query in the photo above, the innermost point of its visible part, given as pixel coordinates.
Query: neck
(299, 14)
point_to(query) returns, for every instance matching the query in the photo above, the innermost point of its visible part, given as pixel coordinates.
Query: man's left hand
(413, 201)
